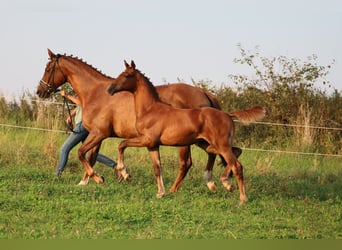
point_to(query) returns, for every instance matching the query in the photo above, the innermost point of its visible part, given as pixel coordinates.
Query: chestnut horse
(160, 124)
(106, 116)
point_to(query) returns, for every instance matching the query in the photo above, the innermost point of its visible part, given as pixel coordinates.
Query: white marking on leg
(84, 182)
(208, 175)
(161, 189)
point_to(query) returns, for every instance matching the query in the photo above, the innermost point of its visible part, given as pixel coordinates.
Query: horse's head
(53, 77)
(125, 81)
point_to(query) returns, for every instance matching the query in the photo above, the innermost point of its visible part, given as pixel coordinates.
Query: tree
(286, 87)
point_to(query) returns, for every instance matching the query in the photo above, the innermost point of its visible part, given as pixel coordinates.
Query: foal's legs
(185, 164)
(234, 165)
(155, 157)
(237, 152)
(154, 153)
(208, 174)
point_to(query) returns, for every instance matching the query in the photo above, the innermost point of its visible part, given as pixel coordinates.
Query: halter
(50, 87)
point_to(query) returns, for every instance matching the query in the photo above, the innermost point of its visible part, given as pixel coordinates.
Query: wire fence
(247, 149)
(54, 102)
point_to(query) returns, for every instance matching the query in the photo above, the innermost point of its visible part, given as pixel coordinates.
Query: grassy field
(290, 196)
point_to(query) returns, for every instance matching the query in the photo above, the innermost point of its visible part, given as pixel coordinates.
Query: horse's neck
(145, 95)
(88, 84)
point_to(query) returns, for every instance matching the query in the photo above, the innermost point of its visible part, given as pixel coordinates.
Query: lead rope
(71, 124)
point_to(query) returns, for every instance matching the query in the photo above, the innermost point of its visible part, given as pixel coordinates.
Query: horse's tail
(247, 116)
(214, 103)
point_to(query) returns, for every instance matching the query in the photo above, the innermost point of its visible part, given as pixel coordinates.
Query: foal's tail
(247, 116)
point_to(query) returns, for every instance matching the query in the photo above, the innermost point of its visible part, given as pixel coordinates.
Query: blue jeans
(79, 135)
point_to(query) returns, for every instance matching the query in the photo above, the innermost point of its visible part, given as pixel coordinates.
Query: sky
(168, 40)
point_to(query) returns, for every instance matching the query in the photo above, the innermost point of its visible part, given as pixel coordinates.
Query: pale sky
(169, 40)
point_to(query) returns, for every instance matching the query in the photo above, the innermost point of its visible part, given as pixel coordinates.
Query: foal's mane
(150, 85)
(81, 61)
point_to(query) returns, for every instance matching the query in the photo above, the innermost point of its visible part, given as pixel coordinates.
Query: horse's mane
(80, 60)
(151, 87)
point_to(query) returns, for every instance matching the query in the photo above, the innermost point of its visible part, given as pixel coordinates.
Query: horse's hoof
(128, 178)
(102, 181)
(120, 178)
(229, 187)
(83, 182)
(159, 196)
(99, 179)
(243, 201)
(211, 185)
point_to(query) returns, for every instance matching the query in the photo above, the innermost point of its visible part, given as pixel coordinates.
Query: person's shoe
(59, 173)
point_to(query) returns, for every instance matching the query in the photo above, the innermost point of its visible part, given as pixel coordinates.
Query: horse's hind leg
(238, 172)
(185, 164)
(235, 166)
(208, 174)
(237, 152)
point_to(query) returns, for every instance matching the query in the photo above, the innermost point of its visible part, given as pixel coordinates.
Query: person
(79, 134)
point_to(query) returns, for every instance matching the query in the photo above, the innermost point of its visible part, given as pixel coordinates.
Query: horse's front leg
(91, 158)
(120, 167)
(154, 153)
(185, 163)
(155, 157)
(92, 142)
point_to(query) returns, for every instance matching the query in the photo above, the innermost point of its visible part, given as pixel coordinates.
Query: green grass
(290, 196)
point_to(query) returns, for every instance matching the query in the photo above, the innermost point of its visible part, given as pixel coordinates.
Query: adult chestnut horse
(105, 116)
(160, 124)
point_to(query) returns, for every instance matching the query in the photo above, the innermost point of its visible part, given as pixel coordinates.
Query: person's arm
(71, 116)
(73, 112)
(70, 97)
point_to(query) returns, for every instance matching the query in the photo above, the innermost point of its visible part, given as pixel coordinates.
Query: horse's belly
(177, 138)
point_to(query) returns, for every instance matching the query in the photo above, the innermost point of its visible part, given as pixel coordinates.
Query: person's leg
(70, 142)
(105, 160)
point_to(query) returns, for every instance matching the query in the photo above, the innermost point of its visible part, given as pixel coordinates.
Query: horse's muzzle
(112, 89)
(45, 90)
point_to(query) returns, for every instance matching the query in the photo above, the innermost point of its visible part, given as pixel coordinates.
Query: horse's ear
(132, 64)
(51, 54)
(126, 64)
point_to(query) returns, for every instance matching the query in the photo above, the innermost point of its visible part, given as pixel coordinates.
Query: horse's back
(181, 95)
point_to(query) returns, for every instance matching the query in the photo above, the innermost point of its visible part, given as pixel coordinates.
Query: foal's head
(125, 81)
(53, 77)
